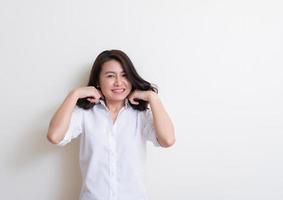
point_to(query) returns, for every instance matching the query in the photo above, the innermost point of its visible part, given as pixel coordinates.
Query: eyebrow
(109, 72)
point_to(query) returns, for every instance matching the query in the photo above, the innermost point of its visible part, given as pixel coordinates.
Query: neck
(114, 106)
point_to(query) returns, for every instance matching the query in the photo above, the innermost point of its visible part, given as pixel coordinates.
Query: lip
(118, 90)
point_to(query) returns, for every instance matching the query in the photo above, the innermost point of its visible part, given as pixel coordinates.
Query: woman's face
(113, 81)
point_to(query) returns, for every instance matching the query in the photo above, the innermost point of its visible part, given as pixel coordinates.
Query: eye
(124, 75)
(109, 76)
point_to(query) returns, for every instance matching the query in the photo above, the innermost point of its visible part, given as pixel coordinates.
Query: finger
(131, 96)
(89, 99)
(132, 100)
(97, 100)
(92, 100)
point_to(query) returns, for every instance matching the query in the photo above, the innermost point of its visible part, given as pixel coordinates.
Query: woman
(112, 118)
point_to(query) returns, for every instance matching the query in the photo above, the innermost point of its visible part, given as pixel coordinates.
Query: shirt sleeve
(75, 127)
(148, 129)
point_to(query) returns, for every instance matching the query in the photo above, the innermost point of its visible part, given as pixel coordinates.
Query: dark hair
(134, 78)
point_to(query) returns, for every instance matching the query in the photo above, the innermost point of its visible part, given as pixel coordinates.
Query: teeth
(120, 90)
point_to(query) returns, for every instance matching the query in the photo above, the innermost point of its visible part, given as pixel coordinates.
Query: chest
(102, 129)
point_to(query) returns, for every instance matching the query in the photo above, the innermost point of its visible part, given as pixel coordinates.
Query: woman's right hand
(91, 92)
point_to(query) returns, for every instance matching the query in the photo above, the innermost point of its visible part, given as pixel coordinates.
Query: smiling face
(113, 82)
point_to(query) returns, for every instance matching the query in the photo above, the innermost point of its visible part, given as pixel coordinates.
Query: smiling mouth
(118, 91)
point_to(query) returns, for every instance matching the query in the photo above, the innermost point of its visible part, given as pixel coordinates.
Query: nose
(118, 81)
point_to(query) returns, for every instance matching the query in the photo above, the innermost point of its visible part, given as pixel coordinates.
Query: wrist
(152, 96)
(74, 94)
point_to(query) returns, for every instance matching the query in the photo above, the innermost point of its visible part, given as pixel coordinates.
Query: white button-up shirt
(112, 155)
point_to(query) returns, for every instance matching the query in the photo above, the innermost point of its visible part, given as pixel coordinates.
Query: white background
(218, 65)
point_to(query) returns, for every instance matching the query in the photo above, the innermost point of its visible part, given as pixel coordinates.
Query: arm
(162, 122)
(59, 123)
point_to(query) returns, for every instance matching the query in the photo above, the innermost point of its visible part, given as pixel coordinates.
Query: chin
(116, 98)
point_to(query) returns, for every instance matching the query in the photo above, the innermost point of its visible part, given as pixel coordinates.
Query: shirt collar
(101, 101)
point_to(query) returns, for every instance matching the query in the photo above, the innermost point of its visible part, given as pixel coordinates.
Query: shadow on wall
(61, 179)
(49, 171)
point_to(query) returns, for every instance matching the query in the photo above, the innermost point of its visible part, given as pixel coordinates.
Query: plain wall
(218, 66)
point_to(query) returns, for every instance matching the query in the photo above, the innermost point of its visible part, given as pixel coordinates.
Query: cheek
(106, 83)
(128, 83)
(104, 86)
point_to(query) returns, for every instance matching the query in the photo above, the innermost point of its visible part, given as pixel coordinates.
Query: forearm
(60, 121)
(162, 122)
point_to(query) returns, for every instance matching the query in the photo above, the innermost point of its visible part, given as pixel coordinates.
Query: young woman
(114, 116)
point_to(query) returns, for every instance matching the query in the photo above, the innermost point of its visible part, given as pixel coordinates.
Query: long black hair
(138, 83)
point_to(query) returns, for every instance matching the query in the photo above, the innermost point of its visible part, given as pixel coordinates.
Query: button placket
(113, 195)
(112, 164)
(113, 156)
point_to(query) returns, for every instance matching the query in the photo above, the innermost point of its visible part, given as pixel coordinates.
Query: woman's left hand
(139, 94)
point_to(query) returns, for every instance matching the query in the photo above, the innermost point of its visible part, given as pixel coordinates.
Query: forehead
(112, 66)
